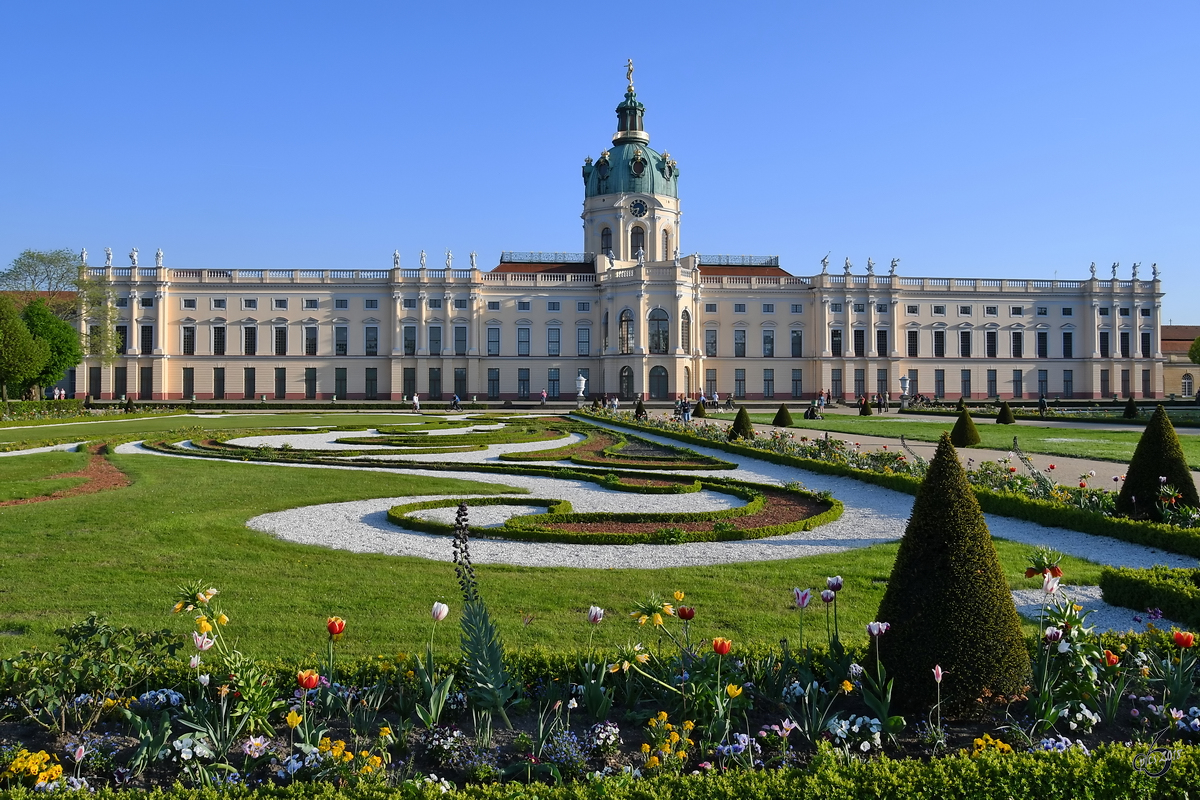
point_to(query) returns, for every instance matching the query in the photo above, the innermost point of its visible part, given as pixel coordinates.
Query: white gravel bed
(325, 439)
(1104, 616)
(491, 454)
(48, 449)
(481, 516)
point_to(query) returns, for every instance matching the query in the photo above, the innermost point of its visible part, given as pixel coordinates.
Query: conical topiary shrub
(1131, 409)
(948, 601)
(962, 404)
(741, 427)
(864, 409)
(1005, 417)
(698, 412)
(639, 411)
(964, 433)
(783, 417)
(1158, 455)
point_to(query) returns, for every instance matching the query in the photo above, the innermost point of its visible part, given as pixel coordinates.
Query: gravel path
(1103, 616)
(49, 449)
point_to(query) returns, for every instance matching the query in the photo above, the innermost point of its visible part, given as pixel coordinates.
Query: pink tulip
(802, 597)
(878, 628)
(440, 610)
(827, 595)
(202, 641)
(595, 615)
(1049, 583)
(938, 672)
(195, 662)
(80, 752)
(834, 583)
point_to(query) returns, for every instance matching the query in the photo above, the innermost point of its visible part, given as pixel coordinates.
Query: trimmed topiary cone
(864, 410)
(964, 433)
(962, 404)
(1131, 409)
(948, 601)
(741, 427)
(1005, 417)
(1158, 455)
(639, 411)
(783, 417)
(698, 412)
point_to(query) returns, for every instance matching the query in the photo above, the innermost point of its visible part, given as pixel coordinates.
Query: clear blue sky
(971, 139)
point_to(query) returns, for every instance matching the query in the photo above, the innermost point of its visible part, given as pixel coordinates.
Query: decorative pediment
(523, 321)
(741, 324)
(583, 322)
(217, 321)
(280, 321)
(554, 322)
(435, 319)
(410, 318)
(248, 321)
(992, 325)
(940, 325)
(187, 321)
(463, 320)
(493, 322)
(372, 321)
(1067, 327)
(769, 324)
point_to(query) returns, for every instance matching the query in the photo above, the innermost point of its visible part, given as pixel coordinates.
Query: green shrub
(864, 409)
(1175, 591)
(741, 428)
(948, 600)
(698, 412)
(964, 433)
(639, 411)
(1131, 409)
(961, 405)
(1005, 416)
(783, 417)
(1158, 455)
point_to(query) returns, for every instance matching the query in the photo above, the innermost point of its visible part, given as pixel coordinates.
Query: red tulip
(307, 678)
(336, 626)
(1111, 658)
(721, 646)
(686, 612)
(1185, 640)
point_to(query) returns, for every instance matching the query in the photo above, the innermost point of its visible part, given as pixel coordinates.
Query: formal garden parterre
(641, 692)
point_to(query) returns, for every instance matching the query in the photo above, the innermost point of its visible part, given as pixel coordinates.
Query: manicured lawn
(28, 476)
(1077, 442)
(122, 554)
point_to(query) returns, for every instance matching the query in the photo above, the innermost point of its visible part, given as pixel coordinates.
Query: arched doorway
(626, 383)
(658, 383)
(659, 331)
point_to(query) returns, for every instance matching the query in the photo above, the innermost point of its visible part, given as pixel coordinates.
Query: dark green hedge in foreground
(1175, 591)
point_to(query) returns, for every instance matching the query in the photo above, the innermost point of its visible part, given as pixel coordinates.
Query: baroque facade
(628, 313)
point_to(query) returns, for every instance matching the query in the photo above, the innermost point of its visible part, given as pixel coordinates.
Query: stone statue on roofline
(892, 268)
(83, 256)
(396, 259)
(611, 258)
(474, 255)
(422, 259)
(1154, 270)
(1136, 264)
(848, 265)
(825, 265)
(870, 266)
(641, 257)
(449, 258)
(1114, 269)
(1093, 269)
(133, 254)
(158, 257)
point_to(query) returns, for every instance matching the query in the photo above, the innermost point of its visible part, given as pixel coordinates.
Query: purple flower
(834, 583)
(827, 595)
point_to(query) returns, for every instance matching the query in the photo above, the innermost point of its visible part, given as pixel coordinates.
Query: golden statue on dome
(629, 74)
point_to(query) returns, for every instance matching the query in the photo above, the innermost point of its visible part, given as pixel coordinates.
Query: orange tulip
(1111, 658)
(1185, 640)
(307, 678)
(721, 646)
(336, 626)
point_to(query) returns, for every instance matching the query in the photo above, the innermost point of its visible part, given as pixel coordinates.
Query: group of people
(715, 400)
(59, 394)
(881, 400)
(683, 408)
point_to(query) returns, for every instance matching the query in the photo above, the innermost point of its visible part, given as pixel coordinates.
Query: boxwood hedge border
(1175, 591)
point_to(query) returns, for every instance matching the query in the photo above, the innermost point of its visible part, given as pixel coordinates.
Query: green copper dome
(630, 165)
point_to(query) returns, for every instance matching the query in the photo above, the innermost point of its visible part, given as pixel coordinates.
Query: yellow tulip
(678, 597)
(733, 690)
(658, 620)
(642, 658)
(642, 619)
(178, 607)
(293, 719)
(222, 620)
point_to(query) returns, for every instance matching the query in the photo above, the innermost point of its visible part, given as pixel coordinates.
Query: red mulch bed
(100, 476)
(781, 507)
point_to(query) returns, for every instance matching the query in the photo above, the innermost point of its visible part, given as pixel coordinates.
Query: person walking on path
(416, 402)
(1042, 406)
(543, 397)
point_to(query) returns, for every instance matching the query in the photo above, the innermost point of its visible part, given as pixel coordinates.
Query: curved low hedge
(1184, 541)
(1176, 592)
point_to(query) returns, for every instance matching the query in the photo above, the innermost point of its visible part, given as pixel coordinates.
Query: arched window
(605, 241)
(658, 383)
(625, 333)
(637, 241)
(685, 332)
(626, 383)
(659, 331)
(666, 244)
(1188, 385)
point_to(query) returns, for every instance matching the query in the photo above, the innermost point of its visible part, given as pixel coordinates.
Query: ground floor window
(339, 383)
(966, 384)
(1146, 390)
(219, 383)
(835, 383)
(626, 383)
(991, 383)
(146, 383)
(860, 382)
(881, 381)
(768, 384)
(1018, 383)
(523, 383)
(189, 382)
(248, 383)
(1068, 383)
(310, 383)
(409, 382)
(493, 386)
(1044, 382)
(1187, 384)
(739, 383)
(552, 383)
(280, 383)
(460, 382)
(797, 384)
(435, 383)
(939, 383)
(658, 383)
(710, 382)
(120, 382)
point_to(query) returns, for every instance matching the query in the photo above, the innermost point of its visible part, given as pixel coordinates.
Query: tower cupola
(629, 115)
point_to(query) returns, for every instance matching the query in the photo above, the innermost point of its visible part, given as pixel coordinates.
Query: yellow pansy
(847, 687)
(652, 762)
(645, 748)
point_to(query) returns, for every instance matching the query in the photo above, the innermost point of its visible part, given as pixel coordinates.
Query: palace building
(628, 313)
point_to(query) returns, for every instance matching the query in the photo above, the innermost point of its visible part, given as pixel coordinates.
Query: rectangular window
(1146, 392)
(148, 339)
(1145, 312)
(797, 308)
(1043, 311)
(120, 382)
(583, 341)
(554, 305)
(1105, 344)
(912, 383)
(964, 311)
(835, 308)
(371, 384)
(250, 341)
(523, 383)
(1068, 340)
(860, 343)
(409, 385)
(460, 302)
(371, 303)
(739, 344)
(493, 386)
(1043, 382)
(341, 303)
(148, 302)
(493, 305)
(1105, 383)
(710, 308)
(964, 344)
(583, 306)
(410, 340)
(1016, 311)
(122, 336)
(1124, 312)
(710, 382)
(281, 304)
(523, 305)
(1104, 312)
(710, 342)
(991, 311)
(992, 389)
(218, 302)
(281, 383)
(939, 311)
(912, 310)
(860, 382)
(966, 384)
(248, 387)
(739, 383)
(281, 341)
(553, 341)
(881, 381)
(493, 342)
(310, 340)
(341, 340)
(189, 383)
(939, 344)
(1018, 383)
(989, 344)
(768, 384)
(552, 383)
(310, 383)
(123, 302)
(218, 340)
(339, 383)
(460, 382)
(939, 383)
(522, 341)
(435, 302)
(1124, 342)
(460, 340)
(881, 308)
(1018, 344)
(1068, 383)
(408, 302)
(1147, 347)
(835, 343)
(218, 383)
(311, 303)
(189, 340)
(768, 308)
(1125, 387)
(371, 340)
(797, 384)
(914, 344)
(835, 383)
(1068, 311)
(860, 308)
(435, 340)
(250, 303)
(797, 343)
(435, 383)
(768, 341)
(1043, 344)
(881, 343)
(739, 308)
(189, 303)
